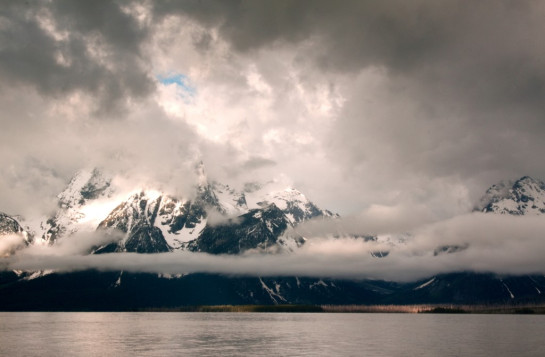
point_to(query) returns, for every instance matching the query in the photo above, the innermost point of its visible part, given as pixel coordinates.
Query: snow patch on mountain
(82, 205)
(231, 201)
(295, 205)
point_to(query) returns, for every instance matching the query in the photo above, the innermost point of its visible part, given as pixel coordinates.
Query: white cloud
(495, 243)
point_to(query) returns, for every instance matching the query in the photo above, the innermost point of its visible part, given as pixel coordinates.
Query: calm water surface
(275, 334)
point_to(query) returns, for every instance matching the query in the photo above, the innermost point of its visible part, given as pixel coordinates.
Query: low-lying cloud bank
(495, 243)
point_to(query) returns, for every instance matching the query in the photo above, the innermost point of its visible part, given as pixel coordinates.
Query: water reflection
(235, 334)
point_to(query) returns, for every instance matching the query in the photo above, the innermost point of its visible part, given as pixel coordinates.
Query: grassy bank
(438, 309)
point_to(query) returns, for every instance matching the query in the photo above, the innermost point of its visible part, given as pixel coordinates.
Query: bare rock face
(258, 229)
(8, 225)
(136, 219)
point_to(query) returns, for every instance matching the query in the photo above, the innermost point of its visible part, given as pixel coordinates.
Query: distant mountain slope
(105, 291)
(472, 288)
(259, 228)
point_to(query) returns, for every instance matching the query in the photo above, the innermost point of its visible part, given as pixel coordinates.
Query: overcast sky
(394, 110)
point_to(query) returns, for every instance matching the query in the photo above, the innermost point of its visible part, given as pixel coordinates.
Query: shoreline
(527, 309)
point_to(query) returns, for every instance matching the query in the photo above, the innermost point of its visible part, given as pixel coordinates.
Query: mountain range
(218, 219)
(152, 221)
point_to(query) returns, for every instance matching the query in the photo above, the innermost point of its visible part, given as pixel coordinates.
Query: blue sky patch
(180, 80)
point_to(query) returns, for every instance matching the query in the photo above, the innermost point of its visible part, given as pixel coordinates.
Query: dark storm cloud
(61, 47)
(462, 82)
(435, 98)
(353, 33)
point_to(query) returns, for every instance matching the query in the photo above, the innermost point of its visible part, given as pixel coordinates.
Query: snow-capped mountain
(153, 222)
(219, 219)
(150, 221)
(292, 202)
(525, 196)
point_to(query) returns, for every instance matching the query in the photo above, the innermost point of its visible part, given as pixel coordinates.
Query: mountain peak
(523, 196)
(529, 182)
(84, 185)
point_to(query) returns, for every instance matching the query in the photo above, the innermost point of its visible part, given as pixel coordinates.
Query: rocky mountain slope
(136, 219)
(260, 228)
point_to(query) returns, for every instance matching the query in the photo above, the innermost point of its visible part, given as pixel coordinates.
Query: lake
(268, 334)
